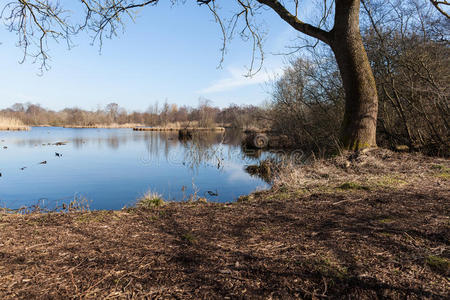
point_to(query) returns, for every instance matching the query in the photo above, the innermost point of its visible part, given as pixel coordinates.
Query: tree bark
(361, 99)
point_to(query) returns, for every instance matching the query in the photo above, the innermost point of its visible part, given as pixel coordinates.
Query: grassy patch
(390, 181)
(328, 268)
(440, 168)
(153, 218)
(438, 264)
(150, 200)
(386, 221)
(245, 198)
(189, 237)
(443, 172)
(283, 189)
(443, 175)
(283, 196)
(353, 186)
(97, 216)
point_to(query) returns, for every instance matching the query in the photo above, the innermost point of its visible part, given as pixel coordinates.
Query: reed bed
(175, 126)
(180, 128)
(7, 123)
(113, 125)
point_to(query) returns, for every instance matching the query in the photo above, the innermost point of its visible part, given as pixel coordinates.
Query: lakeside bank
(372, 225)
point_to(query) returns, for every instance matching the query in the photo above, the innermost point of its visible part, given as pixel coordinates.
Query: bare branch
(438, 5)
(292, 20)
(34, 21)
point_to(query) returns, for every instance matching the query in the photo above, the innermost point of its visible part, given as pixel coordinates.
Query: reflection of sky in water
(113, 167)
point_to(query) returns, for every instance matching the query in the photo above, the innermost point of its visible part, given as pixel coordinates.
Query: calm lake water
(113, 167)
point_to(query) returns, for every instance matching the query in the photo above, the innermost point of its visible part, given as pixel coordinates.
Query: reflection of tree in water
(78, 142)
(197, 154)
(251, 153)
(233, 137)
(30, 142)
(156, 141)
(113, 142)
(206, 148)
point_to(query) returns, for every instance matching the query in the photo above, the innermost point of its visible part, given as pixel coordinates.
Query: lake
(111, 168)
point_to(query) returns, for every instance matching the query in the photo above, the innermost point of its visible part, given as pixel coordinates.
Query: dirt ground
(366, 243)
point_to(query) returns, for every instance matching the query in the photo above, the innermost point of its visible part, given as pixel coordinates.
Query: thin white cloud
(238, 79)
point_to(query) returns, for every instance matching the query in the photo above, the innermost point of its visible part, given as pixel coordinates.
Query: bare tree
(36, 20)
(307, 102)
(113, 111)
(407, 44)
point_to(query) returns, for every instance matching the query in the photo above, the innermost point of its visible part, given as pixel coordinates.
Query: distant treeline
(204, 115)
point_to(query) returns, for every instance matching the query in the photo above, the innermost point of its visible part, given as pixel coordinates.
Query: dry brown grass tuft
(150, 200)
(7, 123)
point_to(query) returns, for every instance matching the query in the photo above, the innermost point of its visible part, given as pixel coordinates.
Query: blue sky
(168, 53)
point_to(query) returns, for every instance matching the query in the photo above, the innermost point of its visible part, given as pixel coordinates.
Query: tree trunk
(361, 98)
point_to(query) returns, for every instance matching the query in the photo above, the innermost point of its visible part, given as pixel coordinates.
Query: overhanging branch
(438, 4)
(292, 20)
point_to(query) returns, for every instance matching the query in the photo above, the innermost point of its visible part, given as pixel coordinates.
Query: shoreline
(179, 128)
(135, 127)
(357, 227)
(12, 124)
(272, 243)
(15, 128)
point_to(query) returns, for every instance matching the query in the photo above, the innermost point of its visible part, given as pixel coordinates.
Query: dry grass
(180, 125)
(150, 200)
(7, 123)
(370, 169)
(113, 125)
